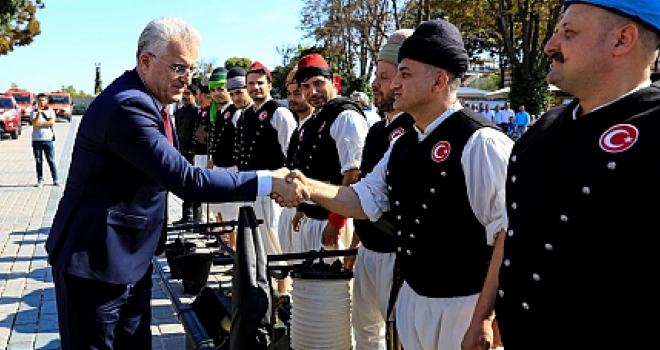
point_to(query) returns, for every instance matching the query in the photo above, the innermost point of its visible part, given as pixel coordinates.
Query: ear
(440, 81)
(626, 38)
(143, 60)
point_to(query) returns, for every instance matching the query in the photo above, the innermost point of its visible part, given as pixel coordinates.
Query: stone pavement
(28, 315)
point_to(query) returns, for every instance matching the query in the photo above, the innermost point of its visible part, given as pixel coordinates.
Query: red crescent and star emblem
(322, 126)
(263, 115)
(204, 114)
(300, 137)
(619, 138)
(440, 151)
(396, 133)
(227, 115)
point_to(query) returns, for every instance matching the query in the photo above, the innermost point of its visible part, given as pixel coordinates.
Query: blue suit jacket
(111, 219)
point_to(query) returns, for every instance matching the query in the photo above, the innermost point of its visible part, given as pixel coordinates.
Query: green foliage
(532, 92)
(14, 86)
(238, 62)
(18, 24)
(73, 92)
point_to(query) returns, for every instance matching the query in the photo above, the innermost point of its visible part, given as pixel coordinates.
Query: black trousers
(103, 316)
(191, 210)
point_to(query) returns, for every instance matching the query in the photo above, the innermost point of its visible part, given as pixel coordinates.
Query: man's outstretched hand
(289, 188)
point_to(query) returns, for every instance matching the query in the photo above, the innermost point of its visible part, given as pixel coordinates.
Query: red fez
(312, 65)
(257, 67)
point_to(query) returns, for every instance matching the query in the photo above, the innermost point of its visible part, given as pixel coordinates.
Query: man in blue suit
(112, 218)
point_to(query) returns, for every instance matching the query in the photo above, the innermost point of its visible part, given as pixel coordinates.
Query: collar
(643, 85)
(388, 122)
(254, 106)
(434, 124)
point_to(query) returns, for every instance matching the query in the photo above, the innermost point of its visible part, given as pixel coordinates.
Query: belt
(314, 211)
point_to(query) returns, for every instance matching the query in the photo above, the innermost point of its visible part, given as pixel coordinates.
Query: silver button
(398, 217)
(611, 165)
(563, 218)
(306, 166)
(408, 252)
(525, 306)
(398, 249)
(319, 136)
(443, 173)
(586, 190)
(501, 293)
(389, 188)
(510, 233)
(548, 246)
(312, 146)
(257, 133)
(514, 178)
(536, 277)
(424, 206)
(396, 203)
(412, 236)
(398, 233)
(417, 221)
(387, 172)
(513, 158)
(433, 190)
(507, 262)
(310, 157)
(514, 205)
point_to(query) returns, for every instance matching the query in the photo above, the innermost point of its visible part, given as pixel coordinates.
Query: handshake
(290, 188)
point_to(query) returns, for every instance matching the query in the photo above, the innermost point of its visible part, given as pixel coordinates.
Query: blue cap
(646, 11)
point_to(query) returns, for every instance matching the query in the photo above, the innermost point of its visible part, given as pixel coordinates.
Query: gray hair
(359, 96)
(160, 32)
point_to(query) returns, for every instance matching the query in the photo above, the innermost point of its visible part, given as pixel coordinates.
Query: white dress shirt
(484, 159)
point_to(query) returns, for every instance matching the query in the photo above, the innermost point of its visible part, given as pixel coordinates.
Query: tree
(18, 23)
(351, 32)
(516, 34)
(238, 62)
(14, 86)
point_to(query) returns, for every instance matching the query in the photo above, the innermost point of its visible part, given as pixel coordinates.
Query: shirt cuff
(367, 201)
(264, 183)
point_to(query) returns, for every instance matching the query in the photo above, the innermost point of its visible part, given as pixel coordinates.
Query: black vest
(261, 150)
(582, 207)
(223, 138)
(184, 119)
(201, 121)
(296, 140)
(318, 157)
(377, 143)
(442, 246)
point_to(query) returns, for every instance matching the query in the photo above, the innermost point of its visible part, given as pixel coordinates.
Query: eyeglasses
(179, 69)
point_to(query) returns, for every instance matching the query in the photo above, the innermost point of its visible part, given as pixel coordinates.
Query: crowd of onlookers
(514, 124)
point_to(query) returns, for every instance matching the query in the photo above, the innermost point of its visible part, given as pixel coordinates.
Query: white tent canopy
(504, 93)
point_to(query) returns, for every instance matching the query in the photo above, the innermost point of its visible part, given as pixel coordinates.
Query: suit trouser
(99, 315)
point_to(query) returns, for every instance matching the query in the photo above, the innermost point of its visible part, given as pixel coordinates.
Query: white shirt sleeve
(372, 189)
(485, 158)
(349, 132)
(285, 124)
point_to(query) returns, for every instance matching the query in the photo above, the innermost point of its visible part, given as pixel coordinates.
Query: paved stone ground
(28, 316)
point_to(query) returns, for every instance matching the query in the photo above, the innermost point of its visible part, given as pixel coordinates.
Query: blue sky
(76, 34)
